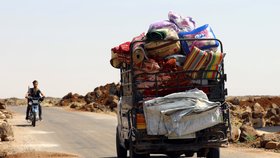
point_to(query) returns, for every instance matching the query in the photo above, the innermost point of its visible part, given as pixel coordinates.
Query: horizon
(65, 44)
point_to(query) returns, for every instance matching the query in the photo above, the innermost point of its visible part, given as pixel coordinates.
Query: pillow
(195, 61)
(214, 60)
(204, 31)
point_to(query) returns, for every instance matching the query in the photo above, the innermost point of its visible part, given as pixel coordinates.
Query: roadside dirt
(39, 154)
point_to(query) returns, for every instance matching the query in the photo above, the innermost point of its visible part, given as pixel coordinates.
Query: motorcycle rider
(34, 92)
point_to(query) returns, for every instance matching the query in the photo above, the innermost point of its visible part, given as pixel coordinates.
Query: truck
(131, 133)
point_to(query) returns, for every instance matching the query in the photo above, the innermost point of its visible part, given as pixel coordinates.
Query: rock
(246, 115)
(235, 101)
(258, 115)
(10, 138)
(113, 90)
(278, 146)
(270, 113)
(235, 134)
(2, 116)
(275, 120)
(6, 131)
(248, 133)
(2, 105)
(265, 138)
(68, 96)
(271, 145)
(278, 111)
(274, 106)
(77, 105)
(257, 108)
(231, 106)
(98, 93)
(251, 99)
(90, 97)
(112, 101)
(258, 122)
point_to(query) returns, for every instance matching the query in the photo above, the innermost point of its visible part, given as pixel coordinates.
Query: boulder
(232, 106)
(112, 101)
(235, 134)
(67, 96)
(271, 145)
(98, 93)
(258, 115)
(251, 99)
(2, 105)
(2, 115)
(248, 133)
(257, 108)
(245, 115)
(77, 105)
(275, 120)
(6, 132)
(271, 112)
(258, 122)
(235, 101)
(265, 138)
(90, 97)
(274, 106)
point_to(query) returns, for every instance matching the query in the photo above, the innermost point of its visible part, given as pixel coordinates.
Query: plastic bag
(202, 32)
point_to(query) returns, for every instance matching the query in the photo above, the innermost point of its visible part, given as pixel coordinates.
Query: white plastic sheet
(180, 114)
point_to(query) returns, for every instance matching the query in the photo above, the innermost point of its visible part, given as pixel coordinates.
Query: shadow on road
(26, 125)
(149, 157)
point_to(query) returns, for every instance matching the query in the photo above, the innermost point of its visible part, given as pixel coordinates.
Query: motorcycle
(34, 103)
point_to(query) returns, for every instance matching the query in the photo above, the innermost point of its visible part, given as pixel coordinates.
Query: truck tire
(132, 154)
(213, 153)
(189, 154)
(173, 155)
(121, 151)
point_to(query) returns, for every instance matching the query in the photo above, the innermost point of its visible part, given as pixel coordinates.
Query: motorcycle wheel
(34, 119)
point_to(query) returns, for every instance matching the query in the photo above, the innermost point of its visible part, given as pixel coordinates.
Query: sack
(213, 62)
(202, 32)
(163, 25)
(161, 49)
(195, 61)
(183, 23)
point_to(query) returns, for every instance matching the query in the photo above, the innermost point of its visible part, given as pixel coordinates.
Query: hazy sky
(65, 44)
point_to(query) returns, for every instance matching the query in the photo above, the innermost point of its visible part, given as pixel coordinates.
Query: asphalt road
(88, 135)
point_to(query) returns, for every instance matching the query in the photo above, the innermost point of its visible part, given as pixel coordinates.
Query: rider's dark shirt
(34, 93)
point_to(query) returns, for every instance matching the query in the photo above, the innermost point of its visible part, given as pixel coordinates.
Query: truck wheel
(132, 154)
(213, 153)
(121, 151)
(173, 155)
(189, 154)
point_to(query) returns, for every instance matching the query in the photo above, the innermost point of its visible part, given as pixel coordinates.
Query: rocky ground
(6, 132)
(249, 114)
(101, 99)
(49, 101)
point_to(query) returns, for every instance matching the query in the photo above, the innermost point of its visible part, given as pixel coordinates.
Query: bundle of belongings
(161, 50)
(181, 114)
(158, 57)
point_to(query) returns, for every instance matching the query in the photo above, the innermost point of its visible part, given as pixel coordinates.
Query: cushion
(195, 60)
(214, 60)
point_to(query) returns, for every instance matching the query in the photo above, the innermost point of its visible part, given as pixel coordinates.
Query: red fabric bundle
(123, 48)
